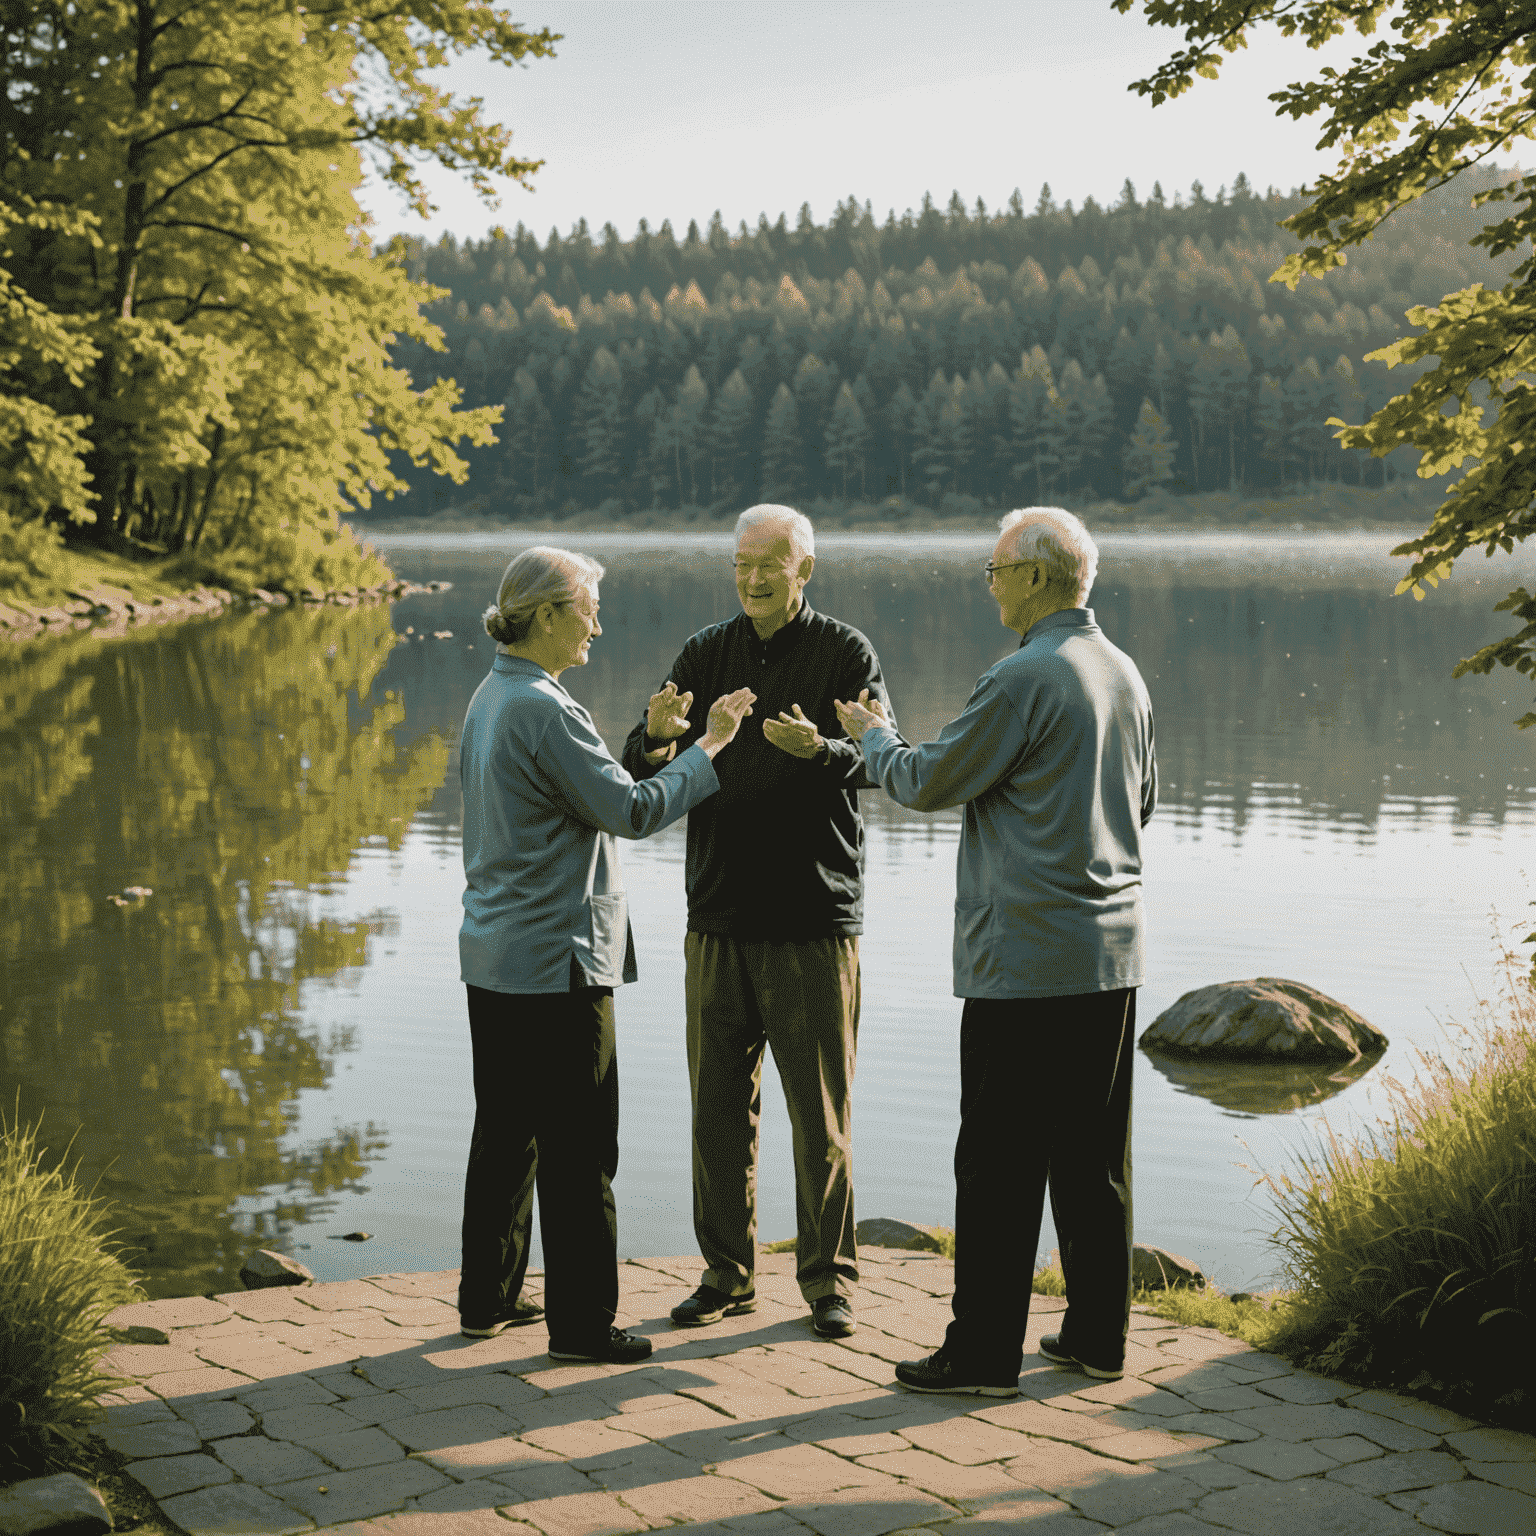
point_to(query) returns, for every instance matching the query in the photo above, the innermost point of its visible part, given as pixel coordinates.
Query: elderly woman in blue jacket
(544, 942)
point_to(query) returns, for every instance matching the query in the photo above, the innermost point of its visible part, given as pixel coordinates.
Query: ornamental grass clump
(1413, 1253)
(58, 1280)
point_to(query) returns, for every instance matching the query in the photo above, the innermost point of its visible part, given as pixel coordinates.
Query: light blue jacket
(544, 802)
(1052, 759)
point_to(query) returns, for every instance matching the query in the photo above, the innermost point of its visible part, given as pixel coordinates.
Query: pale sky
(673, 108)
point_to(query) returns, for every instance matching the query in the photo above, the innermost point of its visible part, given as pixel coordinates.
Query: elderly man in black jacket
(775, 876)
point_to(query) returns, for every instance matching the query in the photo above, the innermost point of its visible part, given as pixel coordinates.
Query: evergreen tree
(599, 422)
(692, 442)
(782, 469)
(1147, 459)
(525, 433)
(847, 438)
(901, 429)
(729, 429)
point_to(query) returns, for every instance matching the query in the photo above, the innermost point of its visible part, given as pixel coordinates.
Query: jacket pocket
(610, 931)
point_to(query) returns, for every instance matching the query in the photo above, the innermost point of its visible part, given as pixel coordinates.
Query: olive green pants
(802, 1001)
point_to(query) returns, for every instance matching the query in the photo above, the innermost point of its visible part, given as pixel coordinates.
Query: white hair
(797, 525)
(1060, 542)
(541, 574)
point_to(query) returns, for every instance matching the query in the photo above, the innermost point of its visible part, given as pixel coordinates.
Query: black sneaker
(1050, 1349)
(832, 1317)
(614, 1348)
(940, 1372)
(707, 1305)
(487, 1328)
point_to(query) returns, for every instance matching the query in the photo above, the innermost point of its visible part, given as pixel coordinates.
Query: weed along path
(356, 1405)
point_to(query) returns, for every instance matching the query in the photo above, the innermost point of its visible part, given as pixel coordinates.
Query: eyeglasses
(989, 570)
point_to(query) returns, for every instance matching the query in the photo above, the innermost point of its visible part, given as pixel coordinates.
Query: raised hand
(666, 717)
(725, 717)
(794, 734)
(862, 715)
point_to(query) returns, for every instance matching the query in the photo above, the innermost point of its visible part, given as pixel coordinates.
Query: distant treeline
(942, 357)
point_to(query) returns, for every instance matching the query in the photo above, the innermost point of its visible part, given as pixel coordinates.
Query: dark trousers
(546, 1116)
(801, 1001)
(1045, 1100)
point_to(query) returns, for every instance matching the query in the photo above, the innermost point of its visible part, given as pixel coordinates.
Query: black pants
(546, 1115)
(1045, 1099)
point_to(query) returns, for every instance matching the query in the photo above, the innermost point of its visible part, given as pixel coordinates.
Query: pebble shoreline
(355, 1406)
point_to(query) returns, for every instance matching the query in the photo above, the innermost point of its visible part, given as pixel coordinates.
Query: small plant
(58, 1281)
(1049, 1280)
(1255, 1319)
(1414, 1252)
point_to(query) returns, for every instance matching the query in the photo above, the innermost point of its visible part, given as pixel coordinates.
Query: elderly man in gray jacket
(1052, 759)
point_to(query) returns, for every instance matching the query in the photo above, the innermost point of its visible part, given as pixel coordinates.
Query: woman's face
(576, 626)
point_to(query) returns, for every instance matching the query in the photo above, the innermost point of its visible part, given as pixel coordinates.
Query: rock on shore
(1264, 1019)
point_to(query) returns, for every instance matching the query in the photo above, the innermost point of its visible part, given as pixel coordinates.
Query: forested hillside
(944, 357)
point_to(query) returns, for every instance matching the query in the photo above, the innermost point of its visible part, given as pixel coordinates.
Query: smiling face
(576, 626)
(769, 579)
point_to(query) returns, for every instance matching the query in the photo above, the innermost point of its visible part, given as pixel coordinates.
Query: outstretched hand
(862, 715)
(666, 717)
(794, 734)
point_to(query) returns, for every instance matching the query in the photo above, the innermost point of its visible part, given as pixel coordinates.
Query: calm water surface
(271, 1049)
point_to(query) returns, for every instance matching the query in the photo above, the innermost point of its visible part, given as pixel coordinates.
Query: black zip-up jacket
(777, 853)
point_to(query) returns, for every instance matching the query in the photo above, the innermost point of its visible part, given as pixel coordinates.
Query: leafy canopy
(1443, 87)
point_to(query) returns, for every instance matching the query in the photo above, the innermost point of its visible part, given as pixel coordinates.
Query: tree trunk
(211, 484)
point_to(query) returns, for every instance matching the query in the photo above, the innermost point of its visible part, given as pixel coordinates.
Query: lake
(270, 1050)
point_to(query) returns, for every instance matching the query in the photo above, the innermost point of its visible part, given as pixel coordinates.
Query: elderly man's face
(1011, 585)
(769, 579)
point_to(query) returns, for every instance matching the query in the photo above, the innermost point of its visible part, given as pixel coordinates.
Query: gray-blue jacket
(1052, 758)
(544, 802)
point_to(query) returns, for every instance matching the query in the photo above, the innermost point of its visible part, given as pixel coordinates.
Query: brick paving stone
(579, 1514)
(341, 1382)
(301, 1392)
(1152, 1444)
(365, 1323)
(1347, 1449)
(404, 1370)
(236, 1509)
(1052, 1466)
(1304, 1387)
(1179, 1523)
(691, 1499)
(1038, 1514)
(682, 1417)
(1317, 1421)
(270, 1305)
(214, 1420)
(1510, 1474)
(579, 1439)
(969, 1441)
(145, 1360)
(305, 1423)
(1471, 1509)
(260, 1356)
(1226, 1399)
(141, 1407)
(531, 1481)
(173, 1312)
(855, 1513)
(486, 1458)
(469, 1521)
(1399, 1472)
(563, 1408)
(165, 1438)
(1206, 1470)
(379, 1409)
(342, 1295)
(451, 1426)
(455, 1498)
(1411, 1410)
(1130, 1493)
(945, 1479)
(1035, 1418)
(356, 1495)
(356, 1448)
(1493, 1444)
(262, 1461)
(229, 1328)
(633, 1466)
(799, 1471)
(1221, 1426)
(1311, 1507)
(495, 1389)
(1279, 1459)
(165, 1475)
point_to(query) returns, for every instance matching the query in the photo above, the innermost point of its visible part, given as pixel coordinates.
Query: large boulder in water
(1266, 1019)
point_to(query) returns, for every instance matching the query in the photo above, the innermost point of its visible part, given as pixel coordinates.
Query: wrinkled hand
(861, 716)
(726, 715)
(794, 734)
(666, 717)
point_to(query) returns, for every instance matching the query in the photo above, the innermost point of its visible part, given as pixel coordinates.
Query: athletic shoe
(832, 1317)
(613, 1348)
(707, 1305)
(1050, 1349)
(941, 1372)
(522, 1312)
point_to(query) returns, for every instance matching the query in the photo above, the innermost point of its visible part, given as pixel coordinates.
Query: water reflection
(1249, 1089)
(232, 768)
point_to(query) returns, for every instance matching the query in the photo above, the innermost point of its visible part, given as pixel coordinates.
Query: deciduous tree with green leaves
(203, 361)
(1444, 85)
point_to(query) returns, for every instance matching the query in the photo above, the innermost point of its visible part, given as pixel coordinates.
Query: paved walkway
(357, 1406)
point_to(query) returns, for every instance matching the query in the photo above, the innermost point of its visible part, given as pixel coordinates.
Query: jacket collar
(1063, 618)
(783, 639)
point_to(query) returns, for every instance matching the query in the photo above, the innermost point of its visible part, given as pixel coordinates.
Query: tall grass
(58, 1280)
(1413, 1252)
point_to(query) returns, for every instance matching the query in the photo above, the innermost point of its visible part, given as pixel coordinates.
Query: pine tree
(782, 470)
(692, 442)
(1147, 459)
(731, 422)
(599, 423)
(524, 432)
(847, 438)
(901, 427)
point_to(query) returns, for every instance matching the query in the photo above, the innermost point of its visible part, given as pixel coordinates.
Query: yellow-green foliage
(58, 1279)
(1254, 1319)
(1412, 1251)
(31, 559)
(1049, 1281)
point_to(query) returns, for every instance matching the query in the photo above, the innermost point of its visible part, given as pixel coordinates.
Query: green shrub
(1254, 1319)
(31, 558)
(1413, 1252)
(58, 1280)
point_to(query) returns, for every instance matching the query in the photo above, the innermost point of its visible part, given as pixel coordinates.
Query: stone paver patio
(356, 1406)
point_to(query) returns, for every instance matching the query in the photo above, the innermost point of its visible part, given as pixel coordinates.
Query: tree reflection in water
(233, 767)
